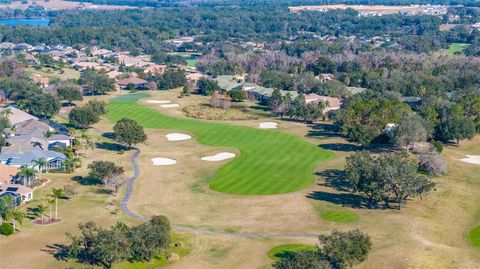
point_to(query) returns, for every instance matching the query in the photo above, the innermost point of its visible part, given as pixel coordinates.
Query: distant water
(30, 22)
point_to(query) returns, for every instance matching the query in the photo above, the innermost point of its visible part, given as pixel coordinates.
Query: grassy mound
(340, 216)
(206, 112)
(270, 162)
(474, 236)
(283, 251)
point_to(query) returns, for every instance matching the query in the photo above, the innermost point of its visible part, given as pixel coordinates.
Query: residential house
(155, 69)
(54, 160)
(333, 103)
(19, 193)
(7, 46)
(23, 47)
(325, 77)
(16, 115)
(59, 141)
(254, 91)
(138, 83)
(31, 60)
(7, 174)
(10, 187)
(44, 82)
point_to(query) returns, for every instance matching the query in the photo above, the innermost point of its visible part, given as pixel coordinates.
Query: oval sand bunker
(268, 125)
(158, 101)
(473, 159)
(178, 137)
(218, 157)
(163, 161)
(170, 105)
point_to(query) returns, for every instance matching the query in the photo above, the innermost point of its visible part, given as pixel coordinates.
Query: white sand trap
(178, 137)
(473, 159)
(170, 105)
(218, 157)
(163, 161)
(158, 101)
(268, 125)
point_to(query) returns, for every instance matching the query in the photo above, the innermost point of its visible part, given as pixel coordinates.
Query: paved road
(129, 212)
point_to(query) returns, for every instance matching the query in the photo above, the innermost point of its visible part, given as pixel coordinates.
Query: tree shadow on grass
(58, 251)
(111, 146)
(33, 213)
(324, 130)
(341, 147)
(334, 178)
(87, 180)
(344, 199)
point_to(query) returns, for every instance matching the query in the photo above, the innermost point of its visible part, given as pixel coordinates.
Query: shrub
(432, 163)
(237, 95)
(208, 113)
(6, 228)
(437, 145)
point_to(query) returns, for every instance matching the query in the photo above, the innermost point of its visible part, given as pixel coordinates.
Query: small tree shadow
(33, 213)
(87, 180)
(324, 130)
(111, 146)
(58, 251)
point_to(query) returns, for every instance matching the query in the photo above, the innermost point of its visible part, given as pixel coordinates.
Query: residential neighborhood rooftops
(16, 115)
(28, 158)
(7, 172)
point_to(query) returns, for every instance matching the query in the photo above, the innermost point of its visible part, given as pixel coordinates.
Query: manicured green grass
(456, 48)
(474, 236)
(283, 251)
(340, 216)
(270, 162)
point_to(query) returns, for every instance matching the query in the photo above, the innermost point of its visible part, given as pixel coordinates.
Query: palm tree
(26, 173)
(56, 193)
(16, 216)
(41, 209)
(41, 163)
(50, 203)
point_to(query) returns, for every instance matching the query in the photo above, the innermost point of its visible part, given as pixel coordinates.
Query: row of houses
(262, 94)
(30, 143)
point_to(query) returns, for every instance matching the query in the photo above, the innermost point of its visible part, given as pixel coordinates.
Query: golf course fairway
(270, 162)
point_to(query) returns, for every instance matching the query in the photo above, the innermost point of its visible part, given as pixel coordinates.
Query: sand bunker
(178, 137)
(473, 159)
(170, 105)
(163, 161)
(219, 157)
(268, 125)
(158, 101)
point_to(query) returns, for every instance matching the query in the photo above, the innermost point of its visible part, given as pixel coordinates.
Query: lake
(29, 22)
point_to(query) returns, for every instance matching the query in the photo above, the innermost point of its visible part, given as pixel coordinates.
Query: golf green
(474, 236)
(270, 161)
(283, 251)
(340, 216)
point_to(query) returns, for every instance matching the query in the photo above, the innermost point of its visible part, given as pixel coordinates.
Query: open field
(60, 4)
(286, 163)
(67, 73)
(456, 48)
